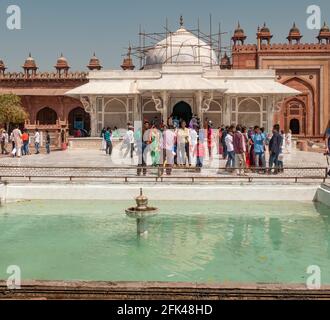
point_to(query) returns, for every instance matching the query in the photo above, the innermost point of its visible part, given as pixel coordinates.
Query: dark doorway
(79, 119)
(182, 111)
(295, 126)
(47, 116)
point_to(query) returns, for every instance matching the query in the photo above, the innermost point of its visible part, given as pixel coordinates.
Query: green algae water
(216, 242)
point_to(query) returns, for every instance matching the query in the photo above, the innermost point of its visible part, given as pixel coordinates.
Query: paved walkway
(97, 159)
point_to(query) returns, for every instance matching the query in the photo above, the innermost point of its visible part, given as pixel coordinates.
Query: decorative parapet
(304, 47)
(245, 48)
(46, 76)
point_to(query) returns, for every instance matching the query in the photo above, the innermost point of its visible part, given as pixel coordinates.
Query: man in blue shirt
(107, 138)
(259, 142)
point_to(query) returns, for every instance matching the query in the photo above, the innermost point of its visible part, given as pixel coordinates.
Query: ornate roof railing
(44, 76)
(284, 47)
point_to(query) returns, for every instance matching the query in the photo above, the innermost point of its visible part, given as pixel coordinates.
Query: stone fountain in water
(142, 212)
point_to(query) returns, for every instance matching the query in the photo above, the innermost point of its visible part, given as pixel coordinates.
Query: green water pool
(218, 242)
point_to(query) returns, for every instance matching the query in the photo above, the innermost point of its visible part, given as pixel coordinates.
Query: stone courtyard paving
(98, 159)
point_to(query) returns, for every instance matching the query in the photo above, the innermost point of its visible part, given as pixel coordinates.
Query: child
(199, 153)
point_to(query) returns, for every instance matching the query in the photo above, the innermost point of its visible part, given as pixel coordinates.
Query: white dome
(182, 47)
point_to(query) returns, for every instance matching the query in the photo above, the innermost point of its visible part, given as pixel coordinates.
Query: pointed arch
(249, 112)
(115, 113)
(115, 105)
(309, 114)
(47, 116)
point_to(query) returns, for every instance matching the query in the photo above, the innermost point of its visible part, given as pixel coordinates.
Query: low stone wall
(88, 143)
(43, 290)
(323, 194)
(156, 192)
(85, 143)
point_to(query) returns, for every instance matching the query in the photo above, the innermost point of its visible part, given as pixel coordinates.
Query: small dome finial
(181, 21)
(128, 62)
(94, 63)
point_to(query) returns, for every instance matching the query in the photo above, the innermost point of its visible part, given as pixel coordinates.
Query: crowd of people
(246, 148)
(183, 144)
(18, 143)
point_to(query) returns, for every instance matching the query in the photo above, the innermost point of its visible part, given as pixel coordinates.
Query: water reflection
(275, 233)
(324, 212)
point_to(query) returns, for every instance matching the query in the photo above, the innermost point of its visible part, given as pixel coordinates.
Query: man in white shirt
(169, 138)
(129, 142)
(37, 141)
(230, 149)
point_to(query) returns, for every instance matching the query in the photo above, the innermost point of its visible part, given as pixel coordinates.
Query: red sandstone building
(302, 66)
(43, 94)
(305, 67)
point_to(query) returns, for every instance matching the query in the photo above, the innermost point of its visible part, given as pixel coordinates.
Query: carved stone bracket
(207, 103)
(158, 103)
(88, 105)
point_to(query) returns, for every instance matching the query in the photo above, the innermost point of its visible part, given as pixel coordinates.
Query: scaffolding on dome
(210, 41)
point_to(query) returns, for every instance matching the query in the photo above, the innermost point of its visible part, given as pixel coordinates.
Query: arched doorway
(295, 117)
(47, 116)
(303, 107)
(79, 119)
(182, 111)
(295, 126)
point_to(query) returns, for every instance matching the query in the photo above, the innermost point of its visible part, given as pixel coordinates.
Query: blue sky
(79, 27)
